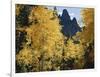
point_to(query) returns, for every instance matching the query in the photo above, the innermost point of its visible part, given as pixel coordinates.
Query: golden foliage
(88, 18)
(74, 51)
(45, 38)
(25, 56)
(46, 33)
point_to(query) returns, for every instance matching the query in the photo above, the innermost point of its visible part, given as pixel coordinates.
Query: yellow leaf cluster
(74, 51)
(88, 18)
(46, 32)
(25, 56)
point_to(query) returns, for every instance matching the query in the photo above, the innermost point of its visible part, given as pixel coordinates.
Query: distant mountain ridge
(69, 27)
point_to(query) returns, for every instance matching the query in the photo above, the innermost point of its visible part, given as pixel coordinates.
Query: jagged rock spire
(69, 27)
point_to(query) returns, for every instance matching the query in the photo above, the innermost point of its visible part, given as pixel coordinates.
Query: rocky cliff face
(69, 27)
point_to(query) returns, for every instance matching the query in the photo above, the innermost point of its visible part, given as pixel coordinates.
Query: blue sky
(73, 12)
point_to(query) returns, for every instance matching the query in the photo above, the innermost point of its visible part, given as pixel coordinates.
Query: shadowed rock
(69, 27)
